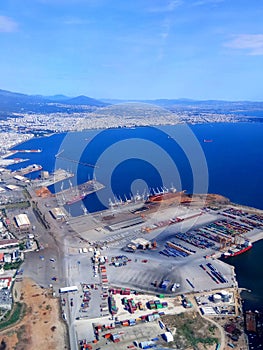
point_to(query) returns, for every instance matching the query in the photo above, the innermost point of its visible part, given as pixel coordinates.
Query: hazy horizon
(196, 49)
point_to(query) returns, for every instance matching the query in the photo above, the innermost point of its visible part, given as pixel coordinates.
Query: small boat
(208, 140)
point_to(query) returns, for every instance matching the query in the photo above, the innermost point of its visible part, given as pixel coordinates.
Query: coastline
(254, 237)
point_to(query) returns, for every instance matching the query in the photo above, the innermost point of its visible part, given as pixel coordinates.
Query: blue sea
(223, 158)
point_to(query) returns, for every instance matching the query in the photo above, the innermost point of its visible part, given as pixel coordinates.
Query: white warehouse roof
(22, 220)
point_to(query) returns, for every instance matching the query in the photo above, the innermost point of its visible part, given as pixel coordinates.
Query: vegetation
(187, 331)
(21, 246)
(18, 205)
(27, 194)
(13, 316)
(191, 330)
(13, 265)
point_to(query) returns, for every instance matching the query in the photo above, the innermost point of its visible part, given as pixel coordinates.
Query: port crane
(225, 242)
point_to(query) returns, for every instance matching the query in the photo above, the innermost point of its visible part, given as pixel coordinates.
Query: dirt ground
(41, 327)
(43, 192)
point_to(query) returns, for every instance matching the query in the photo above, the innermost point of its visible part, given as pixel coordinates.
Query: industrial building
(12, 187)
(22, 221)
(141, 243)
(126, 223)
(58, 214)
(8, 243)
(21, 178)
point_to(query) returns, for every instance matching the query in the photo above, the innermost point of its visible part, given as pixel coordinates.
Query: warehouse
(22, 221)
(126, 223)
(12, 187)
(8, 243)
(21, 178)
(141, 243)
(58, 214)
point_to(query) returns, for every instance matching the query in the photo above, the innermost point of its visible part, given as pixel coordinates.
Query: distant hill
(11, 102)
(84, 100)
(15, 102)
(57, 98)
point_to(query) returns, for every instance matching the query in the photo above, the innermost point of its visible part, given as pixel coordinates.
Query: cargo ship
(26, 150)
(208, 140)
(160, 197)
(76, 199)
(240, 249)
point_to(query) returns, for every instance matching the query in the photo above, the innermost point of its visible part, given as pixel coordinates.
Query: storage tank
(225, 296)
(217, 298)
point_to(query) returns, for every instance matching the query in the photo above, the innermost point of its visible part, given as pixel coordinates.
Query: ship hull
(75, 200)
(241, 251)
(164, 196)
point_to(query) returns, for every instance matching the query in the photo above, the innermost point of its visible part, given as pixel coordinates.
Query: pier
(29, 169)
(77, 193)
(57, 176)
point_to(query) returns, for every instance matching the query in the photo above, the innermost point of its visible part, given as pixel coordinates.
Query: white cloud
(168, 7)
(207, 2)
(7, 25)
(252, 43)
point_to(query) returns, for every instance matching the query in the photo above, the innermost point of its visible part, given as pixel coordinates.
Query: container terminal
(161, 255)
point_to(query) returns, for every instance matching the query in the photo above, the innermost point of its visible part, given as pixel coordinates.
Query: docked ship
(26, 151)
(240, 249)
(166, 195)
(76, 198)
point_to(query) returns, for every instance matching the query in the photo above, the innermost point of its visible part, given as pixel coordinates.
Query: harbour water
(229, 156)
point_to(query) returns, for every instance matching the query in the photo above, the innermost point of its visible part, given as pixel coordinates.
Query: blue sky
(139, 49)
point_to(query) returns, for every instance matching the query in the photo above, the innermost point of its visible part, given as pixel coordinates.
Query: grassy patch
(13, 265)
(13, 316)
(18, 205)
(190, 330)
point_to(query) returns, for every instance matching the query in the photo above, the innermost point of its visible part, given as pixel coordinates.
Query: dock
(27, 170)
(57, 176)
(6, 162)
(14, 151)
(77, 193)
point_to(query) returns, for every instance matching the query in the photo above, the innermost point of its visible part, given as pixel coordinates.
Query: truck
(165, 284)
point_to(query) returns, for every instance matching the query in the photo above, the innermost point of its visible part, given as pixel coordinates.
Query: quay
(27, 170)
(77, 193)
(14, 151)
(57, 176)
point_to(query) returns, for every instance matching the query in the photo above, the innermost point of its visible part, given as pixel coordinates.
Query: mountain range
(11, 102)
(14, 102)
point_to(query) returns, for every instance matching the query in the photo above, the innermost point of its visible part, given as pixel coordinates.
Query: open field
(41, 326)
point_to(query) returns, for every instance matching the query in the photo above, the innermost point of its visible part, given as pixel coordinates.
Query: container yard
(172, 258)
